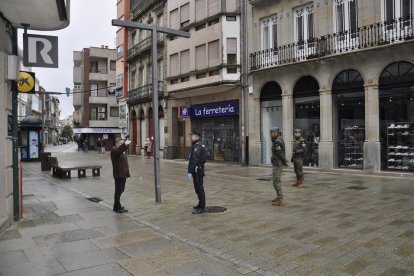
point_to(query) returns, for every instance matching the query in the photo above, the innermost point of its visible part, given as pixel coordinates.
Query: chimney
(106, 47)
(102, 46)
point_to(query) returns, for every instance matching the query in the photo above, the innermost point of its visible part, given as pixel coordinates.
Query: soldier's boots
(278, 202)
(274, 199)
(297, 182)
(301, 183)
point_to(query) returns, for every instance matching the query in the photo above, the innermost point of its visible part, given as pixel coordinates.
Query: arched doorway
(142, 127)
(161, 126)
(134, 132)
(306, 102)
(396, 96)
(270, 114)
(349, 111)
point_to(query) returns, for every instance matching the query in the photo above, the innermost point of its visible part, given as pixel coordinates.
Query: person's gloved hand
(190, 176)
(127, 142)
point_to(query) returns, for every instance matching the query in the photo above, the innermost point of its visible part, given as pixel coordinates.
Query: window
(213, 7)
(304, 24)
(94, 66)
(148, 74)
(185, 15)
(184, 79)
(395, 9)
(200, 27)
(214, 21)
(231, 6)
(185, 61)
(119, 80)
(114, 111)
(94, 90)
(120, 51)
(200, 57)
(269, 32)
(230, 18)
(174, 19)
(174, 81)
(231, 70)
(201, 75)
(160, 69)
(141, 76)
(160, 20)
(174, 65)
(231, 51)
(346, 19)
(200, 9)
(98, 113)
(214, 73)
(213, 53)
(133, 38)
(112, 65)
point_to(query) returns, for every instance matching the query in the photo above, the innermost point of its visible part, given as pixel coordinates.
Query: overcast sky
(90, 25)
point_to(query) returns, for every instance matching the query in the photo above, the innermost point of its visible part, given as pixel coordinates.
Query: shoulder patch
(195, 149)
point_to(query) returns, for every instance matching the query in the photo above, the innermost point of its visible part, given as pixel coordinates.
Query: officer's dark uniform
(196, 168)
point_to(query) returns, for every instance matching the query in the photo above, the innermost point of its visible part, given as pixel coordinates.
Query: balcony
(143, 6)
(142, 46)
(144, 93)
(366, 37)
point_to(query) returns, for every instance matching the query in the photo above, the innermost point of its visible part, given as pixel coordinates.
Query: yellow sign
(26, 82)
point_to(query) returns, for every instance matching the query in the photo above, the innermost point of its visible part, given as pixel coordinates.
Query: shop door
(181, 140)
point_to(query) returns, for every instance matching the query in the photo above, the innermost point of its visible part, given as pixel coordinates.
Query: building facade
(343, 72)
(94, 97)
(203, 76)
(51, 119)
(141, 124)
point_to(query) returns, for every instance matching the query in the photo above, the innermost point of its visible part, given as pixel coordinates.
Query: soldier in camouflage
(278, 161)
(299, 147)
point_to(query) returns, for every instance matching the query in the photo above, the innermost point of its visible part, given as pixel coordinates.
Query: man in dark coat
(120, 172)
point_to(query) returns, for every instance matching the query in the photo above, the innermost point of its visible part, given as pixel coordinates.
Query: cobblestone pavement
(340, 224)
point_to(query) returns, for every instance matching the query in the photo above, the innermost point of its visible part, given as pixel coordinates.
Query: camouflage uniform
(299, 147)
(278, 161)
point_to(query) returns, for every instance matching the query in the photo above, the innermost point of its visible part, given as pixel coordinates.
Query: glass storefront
(307, 118)
(350, 108)
(221, 137)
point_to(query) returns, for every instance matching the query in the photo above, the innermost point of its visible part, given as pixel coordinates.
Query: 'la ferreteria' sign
(220, 109)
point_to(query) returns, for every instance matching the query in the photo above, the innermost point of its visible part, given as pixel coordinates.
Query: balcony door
(304, 32)
(397, 15)
(346, 24)
(269, 40)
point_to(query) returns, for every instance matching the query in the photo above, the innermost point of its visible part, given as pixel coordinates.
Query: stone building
(341, 70)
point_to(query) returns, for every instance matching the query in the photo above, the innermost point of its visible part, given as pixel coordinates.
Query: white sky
(90, 25)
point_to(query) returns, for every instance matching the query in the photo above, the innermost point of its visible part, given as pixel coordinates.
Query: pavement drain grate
(357, 188)
(95, 199)
(28, 195)
(264, 179)
(215, 209)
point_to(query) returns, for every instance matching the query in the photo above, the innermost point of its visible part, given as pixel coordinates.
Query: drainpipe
(16, 190)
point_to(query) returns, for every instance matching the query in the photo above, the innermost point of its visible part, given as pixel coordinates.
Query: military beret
(275, 128)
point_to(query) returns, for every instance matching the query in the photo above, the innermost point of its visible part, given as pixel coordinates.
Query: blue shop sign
(215, 109)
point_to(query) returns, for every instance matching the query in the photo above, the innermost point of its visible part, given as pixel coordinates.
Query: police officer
(278, 161)
(196, 170)
(299, 148)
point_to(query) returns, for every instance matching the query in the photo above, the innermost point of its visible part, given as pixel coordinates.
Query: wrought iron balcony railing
(142, 46)
(370, 36)
(144, 93)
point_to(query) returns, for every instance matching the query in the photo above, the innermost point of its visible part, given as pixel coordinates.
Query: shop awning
(42, 15)
(96, 130)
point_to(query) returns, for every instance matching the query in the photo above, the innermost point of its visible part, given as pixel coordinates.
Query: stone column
(326, 145)
(255, 145)
(372, 145)
(287, 106)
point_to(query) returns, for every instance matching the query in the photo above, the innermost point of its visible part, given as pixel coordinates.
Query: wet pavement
(340, 224)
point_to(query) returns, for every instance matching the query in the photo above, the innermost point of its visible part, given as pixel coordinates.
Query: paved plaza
(340, 224)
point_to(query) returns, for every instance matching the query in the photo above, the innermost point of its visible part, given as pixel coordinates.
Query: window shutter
(185, 13)
(174, 66)
(231, 45)
(213, 7)
(214, 53)
(185, 61)
(231, 6)
(174, 20)
(200, 10)
(200, 57)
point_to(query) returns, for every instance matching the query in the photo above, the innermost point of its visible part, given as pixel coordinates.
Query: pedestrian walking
(147, 142)
(80, 144)
(149, 148)
(197, 159)
(99, 147)
(120, 170)
(299, 149)
(278, 161)
(85, 145)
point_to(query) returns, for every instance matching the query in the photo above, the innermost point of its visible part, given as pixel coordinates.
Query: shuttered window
(231, 6)
(200, 57)
(213, 53)
(200, 9)
(213, 7)
(185, 15)
(174, 19)
(174, 65)
(231, 45)
(185, 61)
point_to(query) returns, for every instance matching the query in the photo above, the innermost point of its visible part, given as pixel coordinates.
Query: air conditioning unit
(101, 116)
(101, 109)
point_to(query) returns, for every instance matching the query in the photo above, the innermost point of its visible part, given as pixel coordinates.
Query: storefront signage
(26, 82)
(40, 51)
(215, 109)
(183, 112)
(33, 146)
(96, 130)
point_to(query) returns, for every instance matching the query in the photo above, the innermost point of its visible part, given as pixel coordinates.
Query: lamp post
(154, 56)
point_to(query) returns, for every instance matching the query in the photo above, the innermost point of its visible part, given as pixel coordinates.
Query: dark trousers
(119, 189)
(199, 189)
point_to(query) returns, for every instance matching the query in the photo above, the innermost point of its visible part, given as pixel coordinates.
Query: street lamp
(154, 55)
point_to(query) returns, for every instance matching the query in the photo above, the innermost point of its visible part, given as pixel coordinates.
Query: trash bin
(44, 161)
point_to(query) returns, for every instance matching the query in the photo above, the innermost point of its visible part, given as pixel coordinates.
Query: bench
(64, 171)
